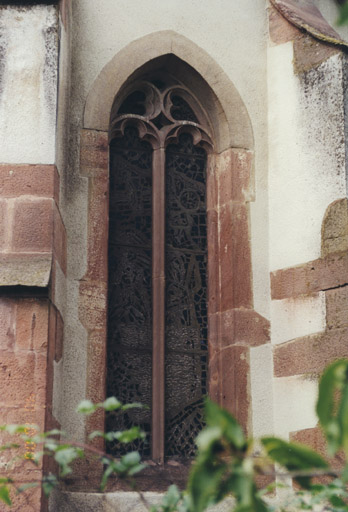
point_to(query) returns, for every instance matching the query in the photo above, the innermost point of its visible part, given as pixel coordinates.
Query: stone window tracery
(158, 341)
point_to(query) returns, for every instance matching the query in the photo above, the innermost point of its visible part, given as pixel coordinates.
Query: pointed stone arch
(233, 324)
(228, 112)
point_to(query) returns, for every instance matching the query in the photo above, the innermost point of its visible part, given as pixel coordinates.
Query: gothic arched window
(157, 319)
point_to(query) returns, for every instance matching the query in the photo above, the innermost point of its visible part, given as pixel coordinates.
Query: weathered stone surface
(59, 240)
(243, 326)
(7, 324)
(306, 15)
(116, 501)
(22, 374)
(235, 257)
(27, 269)
(233, 176)
(98, 211)
(310, 354)
(311, 277)
(337, 307)
(92, 305)
(235, 386)
(233, 390)
(59, 338)
(310, 53)
(213, 262)
(33, 180)
(314, 438)
(32, 225)
(335, 228)
(32, 325)
(94, 156)
(3, 225)
(280, 29)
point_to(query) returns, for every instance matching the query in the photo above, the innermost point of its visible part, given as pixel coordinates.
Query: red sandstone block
(280, 30)
(33, 180)
(96, 366)
(22, 374)
(213, 262)
(234, 176)
(32, 325)
(231, 392)
(98, 211)
(5, 224)
(337, 307)
(314, 438)
(243, 326)
(235, 257)
(212, 193)
(32, 225)
(92, 305)
(214, 332)
(310, 354)
(59, 338)
(30, 500)
(235, 392)
(214, 374)
(59, 239)
(7, 324)
(52, 333)
(96, 379)
(94, 156)
(311, 277)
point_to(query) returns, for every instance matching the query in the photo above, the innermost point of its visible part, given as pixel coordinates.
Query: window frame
(234, 327)
(158, 104)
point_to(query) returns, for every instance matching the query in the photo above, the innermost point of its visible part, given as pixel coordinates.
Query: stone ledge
(311, 277)
(25, 269)
(310, 354)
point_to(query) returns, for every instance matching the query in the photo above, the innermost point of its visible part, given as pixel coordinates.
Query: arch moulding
(235, 130)
(234, 327)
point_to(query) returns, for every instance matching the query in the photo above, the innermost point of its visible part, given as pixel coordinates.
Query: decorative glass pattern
(130, 314)
(186, 296)
(153, 116)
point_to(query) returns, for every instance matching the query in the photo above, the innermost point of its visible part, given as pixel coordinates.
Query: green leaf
(86, 407)
(106, 475)
(24, 487)
(203, 485)
(208, 436)
(130, 459)
(293, 456)
(135, 405)
(49, 483)
(217, 417)
(334, 425)
(5, 495)
(172, 497)
(17, 429)
(96, 433)
(342, 417)
(125, 436)
(111, 404)
(343, 15)
(136, 469)
(64, 455)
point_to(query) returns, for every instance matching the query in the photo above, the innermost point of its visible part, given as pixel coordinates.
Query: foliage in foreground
(227, 463)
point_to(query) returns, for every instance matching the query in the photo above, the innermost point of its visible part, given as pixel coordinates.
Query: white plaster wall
(306, 154)
(261, 382)
(28, 83)
(293, 318)
(294, 404)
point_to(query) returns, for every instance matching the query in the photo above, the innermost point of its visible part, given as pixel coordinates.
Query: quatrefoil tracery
(160, 114)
